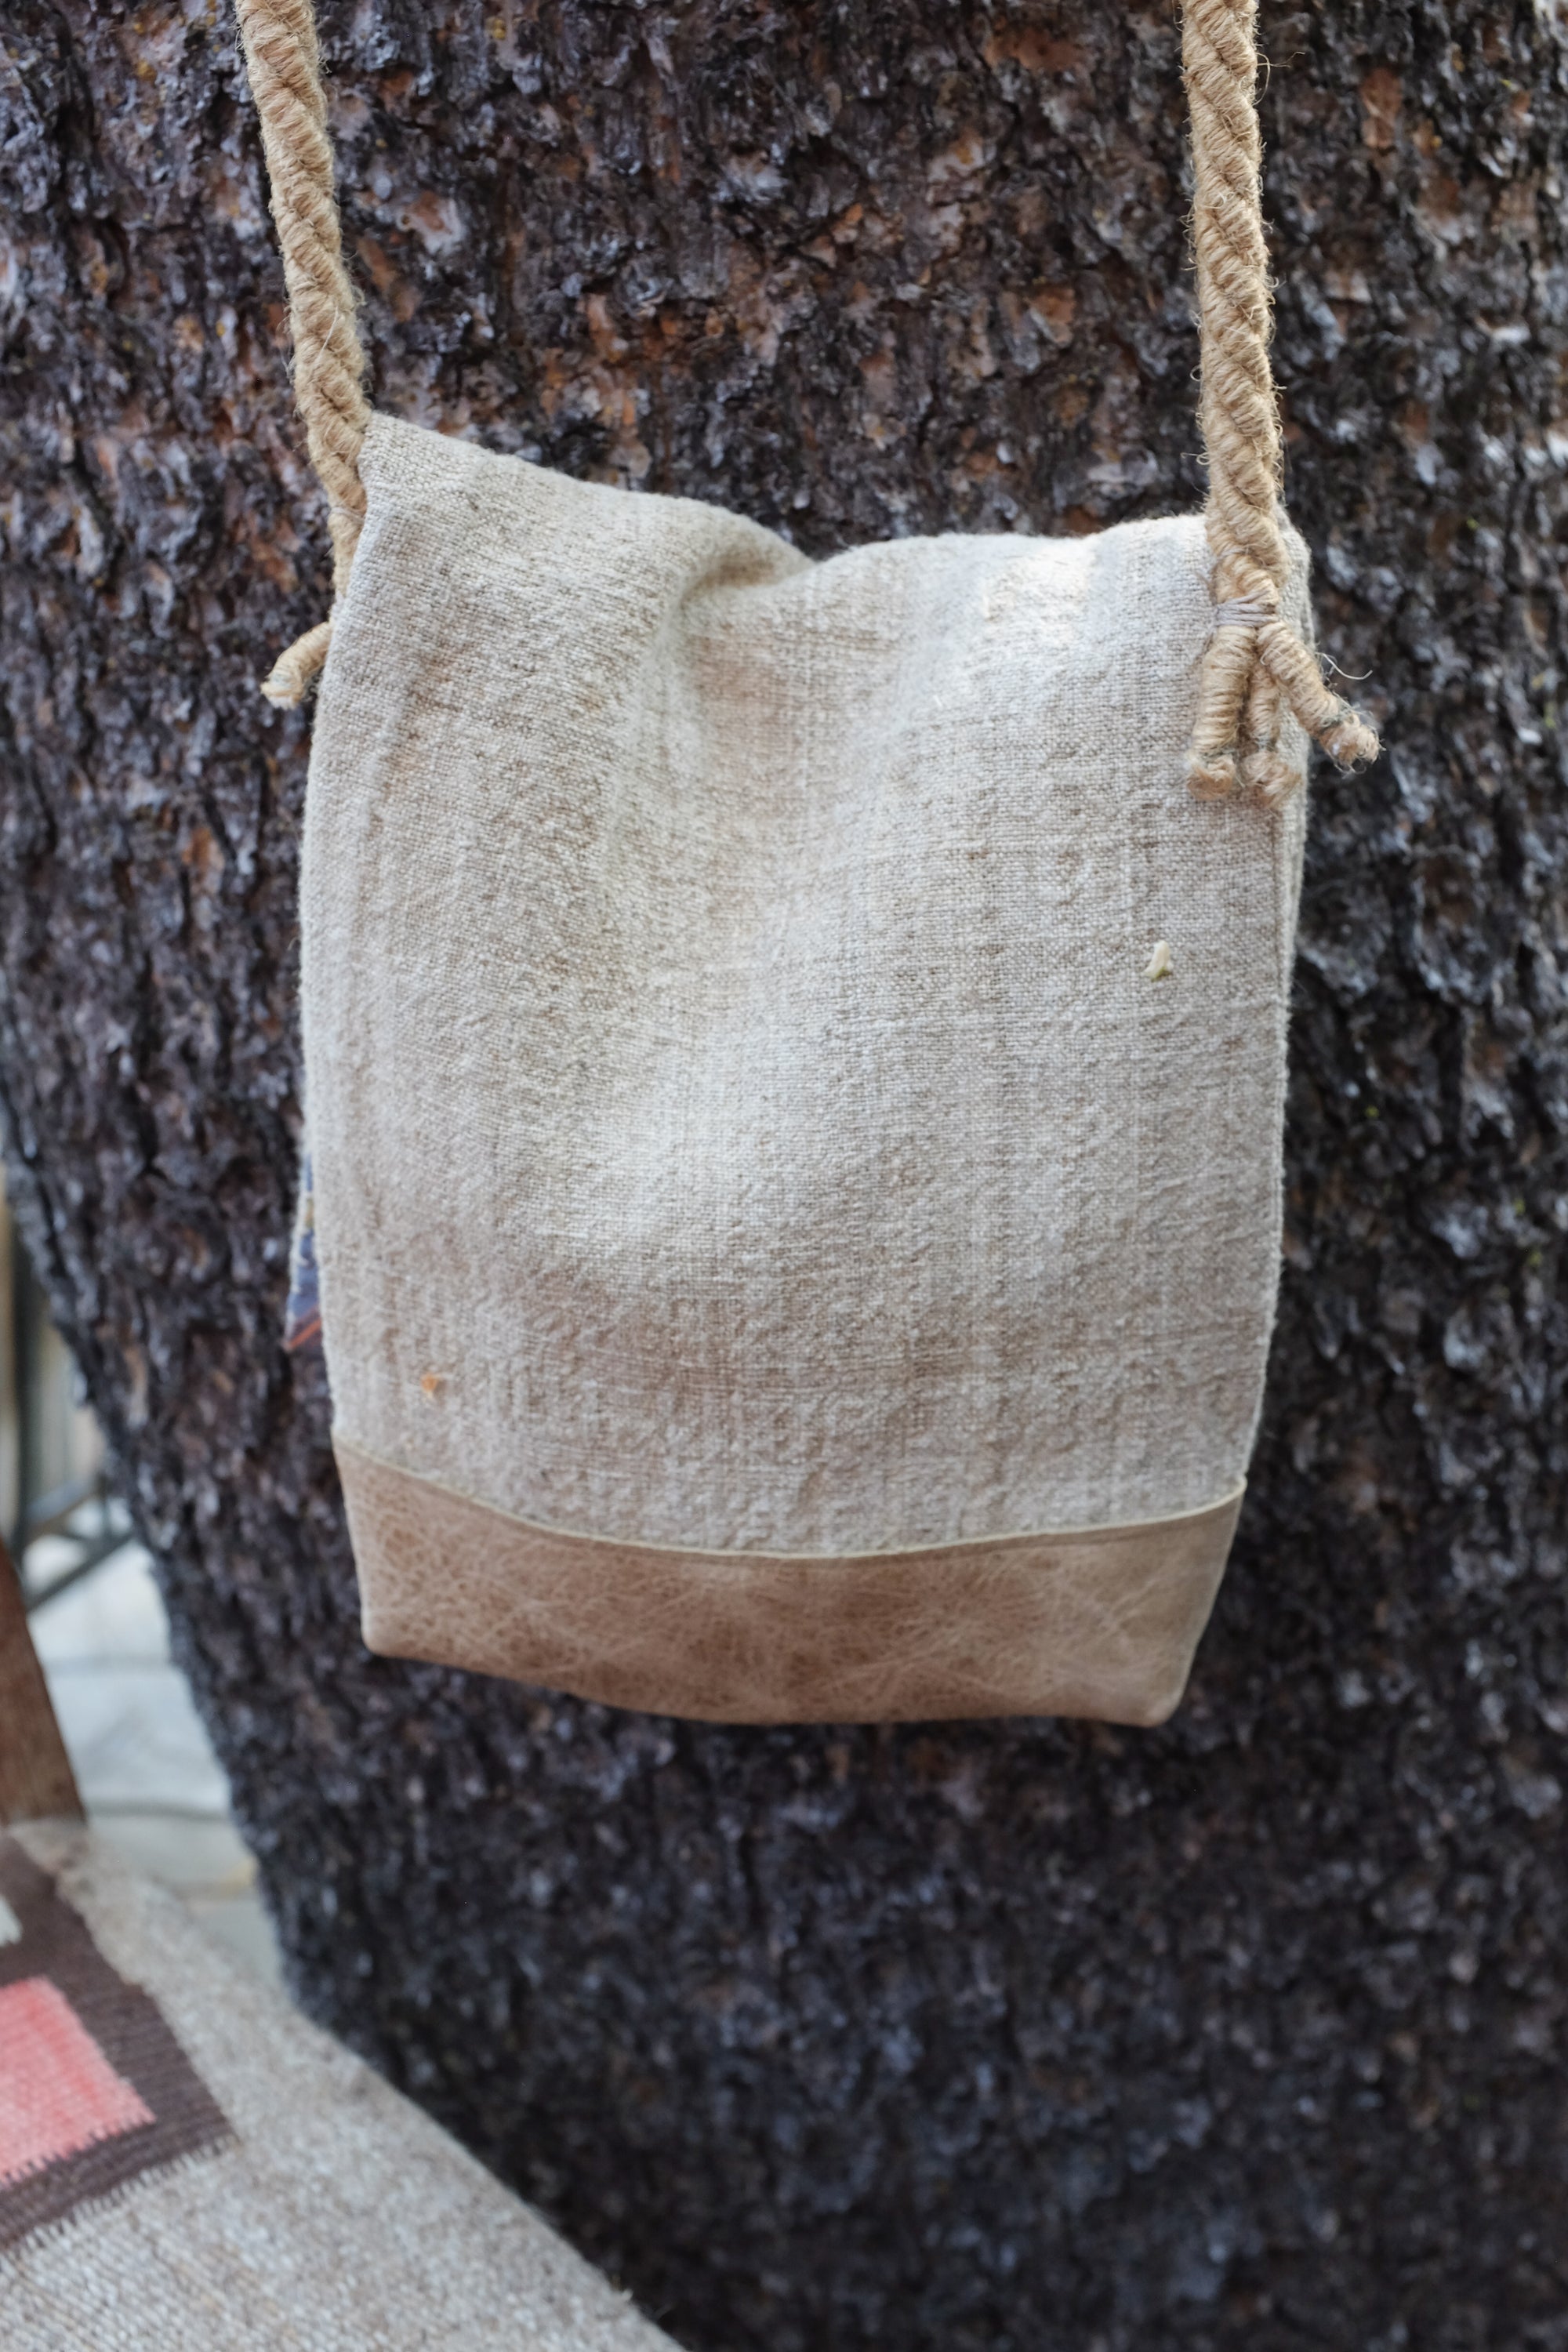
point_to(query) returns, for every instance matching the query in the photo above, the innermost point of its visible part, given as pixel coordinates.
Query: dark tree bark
(1250, 2032)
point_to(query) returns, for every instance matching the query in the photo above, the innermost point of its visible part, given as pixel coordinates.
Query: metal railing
(52, 1481)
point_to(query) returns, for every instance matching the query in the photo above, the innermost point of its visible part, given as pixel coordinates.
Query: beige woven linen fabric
(338, 2220)
(742, 1119)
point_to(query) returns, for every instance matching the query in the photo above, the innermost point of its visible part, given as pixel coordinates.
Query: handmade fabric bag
(795, 1051)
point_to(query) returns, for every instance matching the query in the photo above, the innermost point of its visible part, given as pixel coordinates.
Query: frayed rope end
(1235, 736)
(292, 672)
(1352, 741)
(1275, 779)
(1211, 776)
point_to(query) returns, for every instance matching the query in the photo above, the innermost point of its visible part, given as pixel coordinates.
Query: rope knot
(1242, 613)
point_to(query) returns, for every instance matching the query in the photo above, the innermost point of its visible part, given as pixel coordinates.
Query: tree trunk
(1247, 2032)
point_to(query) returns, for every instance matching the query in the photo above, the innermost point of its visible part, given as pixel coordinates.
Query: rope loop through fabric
(1255, 668)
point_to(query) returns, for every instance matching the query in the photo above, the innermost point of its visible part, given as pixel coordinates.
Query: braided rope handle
(285, 67)
(1256, 666)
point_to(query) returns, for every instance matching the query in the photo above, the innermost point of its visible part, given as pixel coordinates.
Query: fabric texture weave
(311, 2207)
(792, 1069)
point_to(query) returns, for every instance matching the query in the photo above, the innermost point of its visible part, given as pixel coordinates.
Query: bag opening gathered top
(795, 1050)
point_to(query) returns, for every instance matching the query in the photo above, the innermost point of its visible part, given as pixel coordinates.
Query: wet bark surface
(1250, 2030)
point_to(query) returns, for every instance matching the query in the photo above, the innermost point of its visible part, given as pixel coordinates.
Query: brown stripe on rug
(95, 2091)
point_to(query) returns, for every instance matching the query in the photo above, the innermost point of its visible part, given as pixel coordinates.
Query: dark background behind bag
(1249, 2031)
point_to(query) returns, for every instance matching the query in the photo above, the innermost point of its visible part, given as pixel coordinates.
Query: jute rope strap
(1256, 666)
(1255, 663)
(285, 69)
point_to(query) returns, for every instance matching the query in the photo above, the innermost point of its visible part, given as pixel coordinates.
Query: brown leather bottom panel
(1100, 1622)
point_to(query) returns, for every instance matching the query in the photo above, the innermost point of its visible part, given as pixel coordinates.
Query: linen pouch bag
(795, 1051)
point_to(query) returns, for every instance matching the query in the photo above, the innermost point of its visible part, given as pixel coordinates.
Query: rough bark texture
(1248, 2031)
